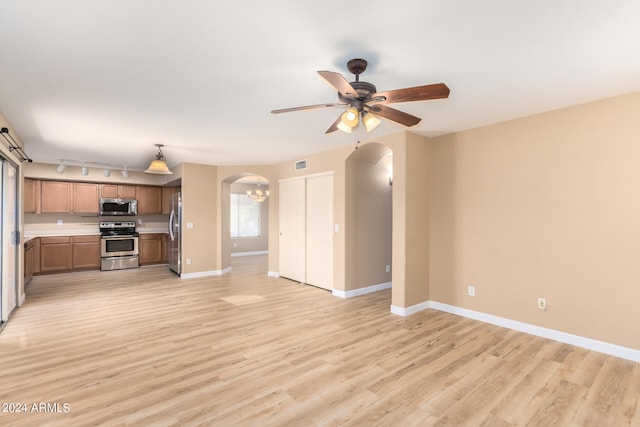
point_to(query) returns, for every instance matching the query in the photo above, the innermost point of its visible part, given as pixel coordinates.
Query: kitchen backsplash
(39, 224)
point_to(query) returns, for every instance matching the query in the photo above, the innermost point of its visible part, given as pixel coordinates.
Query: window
(245, 216)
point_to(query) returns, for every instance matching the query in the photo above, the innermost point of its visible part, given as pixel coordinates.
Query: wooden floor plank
(143, 347)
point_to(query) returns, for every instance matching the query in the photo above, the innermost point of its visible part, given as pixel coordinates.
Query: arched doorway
(369, 180)
(244, 216)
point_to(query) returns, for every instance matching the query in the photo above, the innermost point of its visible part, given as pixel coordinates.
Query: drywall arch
(226, 243)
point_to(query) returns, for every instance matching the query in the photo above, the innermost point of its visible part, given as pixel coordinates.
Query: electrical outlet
(188, 261)
(388, 269)
(59, 222)
(542, 304)
(471, 290)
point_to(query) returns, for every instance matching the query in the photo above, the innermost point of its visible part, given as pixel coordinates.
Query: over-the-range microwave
(118, 207)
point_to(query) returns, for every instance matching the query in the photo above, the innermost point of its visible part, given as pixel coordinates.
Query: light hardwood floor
(142, 347)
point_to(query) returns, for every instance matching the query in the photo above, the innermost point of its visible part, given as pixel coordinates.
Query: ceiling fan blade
(307, 107)
(339, 82)
(395, 115)
(418, 93)
(334, 126)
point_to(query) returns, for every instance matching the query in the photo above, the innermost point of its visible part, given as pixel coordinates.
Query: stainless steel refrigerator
(175, 244)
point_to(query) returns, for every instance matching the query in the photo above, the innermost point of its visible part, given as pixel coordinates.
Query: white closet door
(319, 245)
(292, 223)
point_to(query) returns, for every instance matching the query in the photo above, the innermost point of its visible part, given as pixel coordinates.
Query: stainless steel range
(119, 245)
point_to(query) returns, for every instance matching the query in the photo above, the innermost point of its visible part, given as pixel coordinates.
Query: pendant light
(159, 165)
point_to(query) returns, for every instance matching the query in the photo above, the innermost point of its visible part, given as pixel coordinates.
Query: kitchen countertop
(32, 234)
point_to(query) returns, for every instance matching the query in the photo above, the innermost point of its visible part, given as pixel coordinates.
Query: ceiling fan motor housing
(365, 91)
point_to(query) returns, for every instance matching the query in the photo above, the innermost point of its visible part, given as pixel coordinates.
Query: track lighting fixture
(85, 167)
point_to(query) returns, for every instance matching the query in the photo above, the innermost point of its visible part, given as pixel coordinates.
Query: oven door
(119, 246)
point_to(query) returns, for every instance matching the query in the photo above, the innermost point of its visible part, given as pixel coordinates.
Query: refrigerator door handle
(172, 219)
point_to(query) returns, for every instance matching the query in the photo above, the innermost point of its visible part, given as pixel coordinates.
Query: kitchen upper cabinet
(42, 196)
(118, 191)
(167, 192)
(55, 254)
(56, 196)
(85, 252)
(150, 248)
(85, 197)
(149, 199)
(31, 195)
(68, 197)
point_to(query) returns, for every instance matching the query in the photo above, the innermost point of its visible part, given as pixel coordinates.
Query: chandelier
(258, 196)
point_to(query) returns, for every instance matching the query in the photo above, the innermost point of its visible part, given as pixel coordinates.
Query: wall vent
(300, 165)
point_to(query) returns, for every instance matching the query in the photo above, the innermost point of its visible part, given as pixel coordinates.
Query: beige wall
(368, 216)
(416, 216)
(544, 206)
(199, 201)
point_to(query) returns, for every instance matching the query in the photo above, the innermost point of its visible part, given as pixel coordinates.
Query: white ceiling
(105, 80)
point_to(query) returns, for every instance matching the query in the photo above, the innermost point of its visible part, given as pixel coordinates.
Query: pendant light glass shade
(158, 165)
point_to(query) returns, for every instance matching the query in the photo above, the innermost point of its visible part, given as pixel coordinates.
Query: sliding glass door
(10, 239)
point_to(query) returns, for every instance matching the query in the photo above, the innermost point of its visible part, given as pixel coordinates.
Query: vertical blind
(245, 216)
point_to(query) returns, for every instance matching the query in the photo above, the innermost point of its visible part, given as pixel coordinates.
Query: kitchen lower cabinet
(55, 254)
(68, 253)
(85, 252)
(150, 248)
(31, 259)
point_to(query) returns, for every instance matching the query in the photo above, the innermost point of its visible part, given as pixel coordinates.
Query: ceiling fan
(364, 102)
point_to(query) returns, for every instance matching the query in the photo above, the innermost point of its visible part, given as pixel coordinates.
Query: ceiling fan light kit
(364, 103)
(369, 121)
(158, 165)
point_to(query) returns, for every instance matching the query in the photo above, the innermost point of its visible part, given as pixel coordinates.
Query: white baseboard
(205, 273)
(273, 274)
(401, 311)
(234, 254)
(564, 337)
(361, 291)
